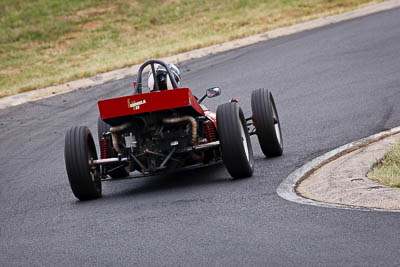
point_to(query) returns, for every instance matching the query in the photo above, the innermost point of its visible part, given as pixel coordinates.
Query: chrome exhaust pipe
(185, 118)
(114, 135)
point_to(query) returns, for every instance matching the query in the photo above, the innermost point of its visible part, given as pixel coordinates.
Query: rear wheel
(117, 171)
(266, 121)
(237, 152)
(79, 151)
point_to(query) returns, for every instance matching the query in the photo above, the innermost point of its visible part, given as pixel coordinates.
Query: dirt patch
(94, 11)
(92, 25)
(10, 71)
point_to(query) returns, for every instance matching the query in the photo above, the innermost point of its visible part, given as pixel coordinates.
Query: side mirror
(213, 92)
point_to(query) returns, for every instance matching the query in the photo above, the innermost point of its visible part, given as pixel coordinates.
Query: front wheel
(79, 151)
(237, 152)
(266, 122)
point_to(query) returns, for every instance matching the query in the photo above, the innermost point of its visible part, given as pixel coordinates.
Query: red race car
(168, 130)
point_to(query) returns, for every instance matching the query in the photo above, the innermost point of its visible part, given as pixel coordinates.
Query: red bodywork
(211, 116)
(180, 98)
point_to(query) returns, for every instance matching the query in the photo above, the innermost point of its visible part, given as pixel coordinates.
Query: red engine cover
(148, 102)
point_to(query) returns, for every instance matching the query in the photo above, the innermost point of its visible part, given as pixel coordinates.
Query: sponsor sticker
(135, 105)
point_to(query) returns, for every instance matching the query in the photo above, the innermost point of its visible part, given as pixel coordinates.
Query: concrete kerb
(287, 189)
(128, 71)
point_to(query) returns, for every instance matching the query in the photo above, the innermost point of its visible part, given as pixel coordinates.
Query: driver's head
(164, 82)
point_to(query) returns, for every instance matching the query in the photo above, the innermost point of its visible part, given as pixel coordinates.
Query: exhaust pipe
(185, 118)
(114, 135)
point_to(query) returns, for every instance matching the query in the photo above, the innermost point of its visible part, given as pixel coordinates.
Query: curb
(22, 98)
(287, 189)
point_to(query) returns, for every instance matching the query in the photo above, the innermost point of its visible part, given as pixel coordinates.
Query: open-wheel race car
(164, 131)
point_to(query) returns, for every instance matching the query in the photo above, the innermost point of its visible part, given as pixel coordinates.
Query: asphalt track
(332, 86)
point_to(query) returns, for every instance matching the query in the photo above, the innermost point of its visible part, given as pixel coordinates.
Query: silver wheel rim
(276, 125)
(244, 141)
(93, 170)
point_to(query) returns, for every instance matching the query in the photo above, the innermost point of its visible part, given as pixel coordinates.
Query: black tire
(266, 122)
(235, 140)
(79, 149)
(121, 172)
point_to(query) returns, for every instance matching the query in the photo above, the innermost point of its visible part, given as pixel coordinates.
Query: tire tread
(229, 119)
(261, 103)
(78, 142)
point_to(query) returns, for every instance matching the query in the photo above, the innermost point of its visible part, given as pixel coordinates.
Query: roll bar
(138, 89)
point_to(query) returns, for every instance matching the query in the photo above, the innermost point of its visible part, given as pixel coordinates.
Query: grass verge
(47, 42)
(387, 170)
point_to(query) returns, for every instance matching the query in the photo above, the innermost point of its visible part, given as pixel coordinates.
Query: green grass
(46, 42)
(387, 170)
